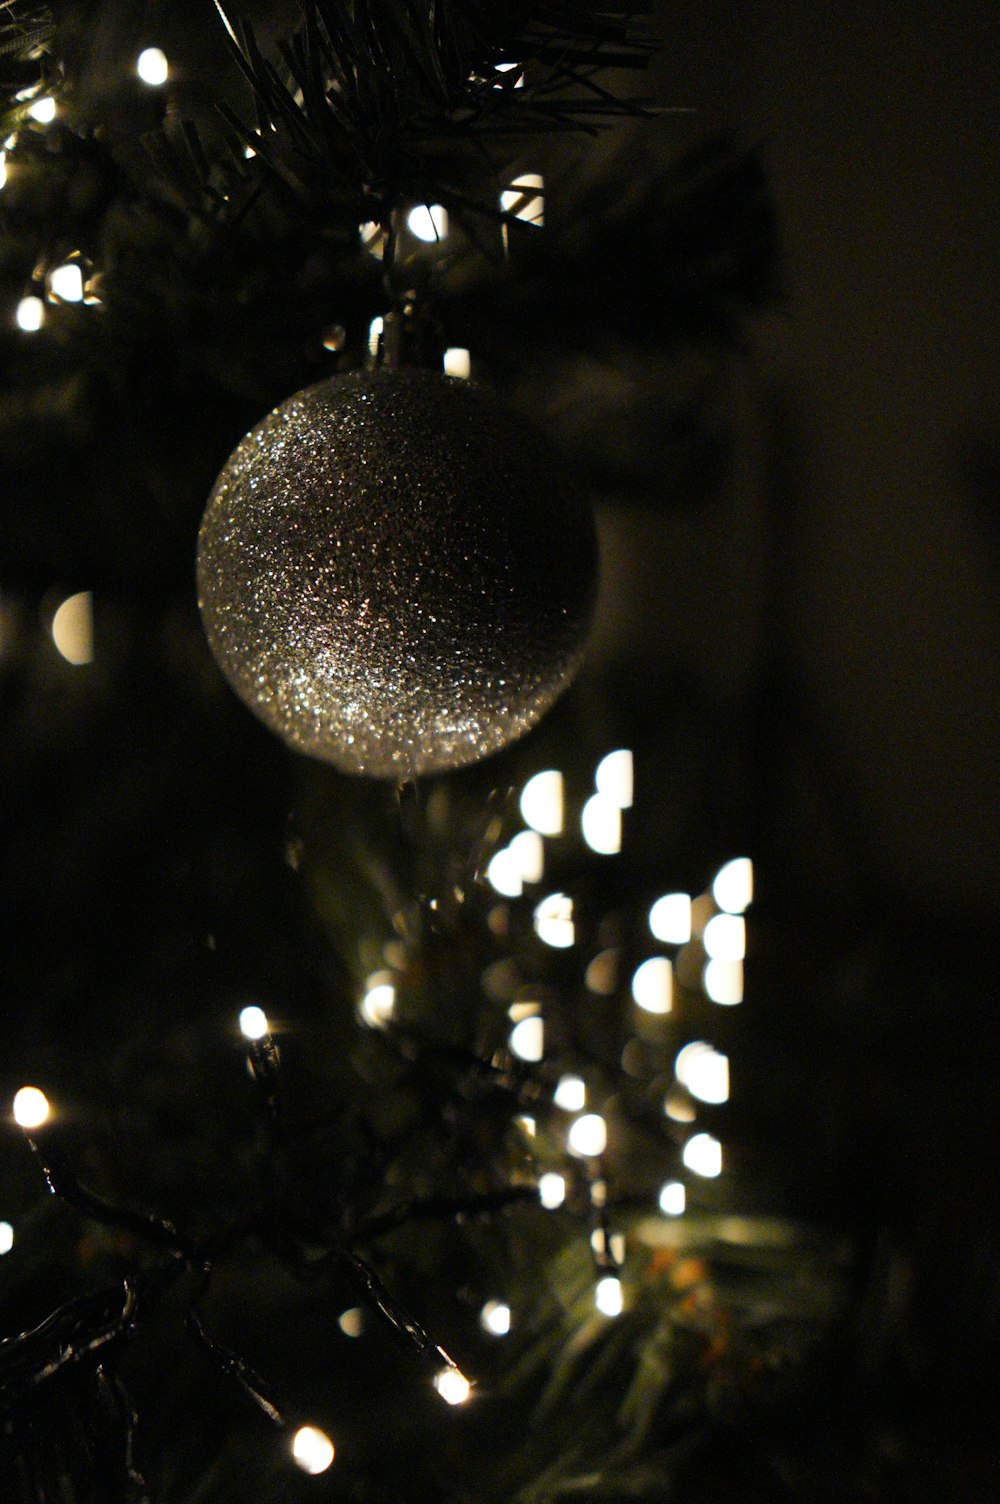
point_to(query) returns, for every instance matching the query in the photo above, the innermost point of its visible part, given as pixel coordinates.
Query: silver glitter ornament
(394, 574)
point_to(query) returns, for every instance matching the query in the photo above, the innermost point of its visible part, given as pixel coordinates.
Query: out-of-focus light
(703, 1155)
(617, 1245)
(673, 1198)
(733, 885)
(670, 918)
(725, 938)
(529, 850)
(614, 778)
(352, 1321)
(653, 985)
(73, 628)
(6, 1237)
(452, 1385)
(571, 1094)
(704, 1072)
(723, 982)
(554, 921)
(678, 1107)
(588, 1136)
(373, 238)
(528, 1125)
(609, 1298)
(457, 362)
(601, 822)
(43, 110)
(495, 1318)
(253, 1023)
(3, 168)
(375, 329)
(66, 282)
(525, 197)
(379, 1000)
(312, 1449)
(152, 66)
(702, 909)
(599, 1192)
(428, 222)
(523, 1009)
(542, 802)
(31, 1107)
(504, 873)
(527, 1039)
(552, 1190)
(30, 314)
(602, 973)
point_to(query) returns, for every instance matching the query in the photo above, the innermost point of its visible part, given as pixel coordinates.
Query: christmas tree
(377, 1047)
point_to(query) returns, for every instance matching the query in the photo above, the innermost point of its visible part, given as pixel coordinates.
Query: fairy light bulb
(43, 110)
(588, 1136)
(614, 778)
(66, 282)
(653, 985)
(542, 802)
(703, 1155)
(725, 937)
(552, 1190)
(452, 1385)
(670, 918)
(152, 66)
(457, 362)
(528, 850)
(312, 1449)
(733, 885)
(30, 314)
(527, 1039)
(495, 1318)
(428, 222)
(570, 1094)
(723, 982)
(31, 1107)
(504, 873)
(673, 1198)
(6, 1237)
(379, 1001)
(253, 1023)
(609, 1297)
(553, 921)
(601, 823)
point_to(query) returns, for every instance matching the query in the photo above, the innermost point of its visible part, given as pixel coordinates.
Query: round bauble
(394, 573)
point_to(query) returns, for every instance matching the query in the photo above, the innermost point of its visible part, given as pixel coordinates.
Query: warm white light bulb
(253, 1023)
(653, 985)
(453, 1387)
(601, 823)
(495, 1318)
(542, 802)
(66, 282)
(152, 66)
(723, 982)
(703, 1155)
(30, 314)
(670, 918)
(733, 885)
(312, 1449)
(553, 921)
(614, 778)
(31, 1107)
(504, 873)
(43, 110)
(379, 1001)
(551, 1190)
(570, 1094)
(457, 362)
(3, 168)
(428, 222)
(527, 1039)
(725, 937)
(609, 1298)
(588, 1136)
(673, 1198)
(6, 1237)
(704, 1072)
(528, 850)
